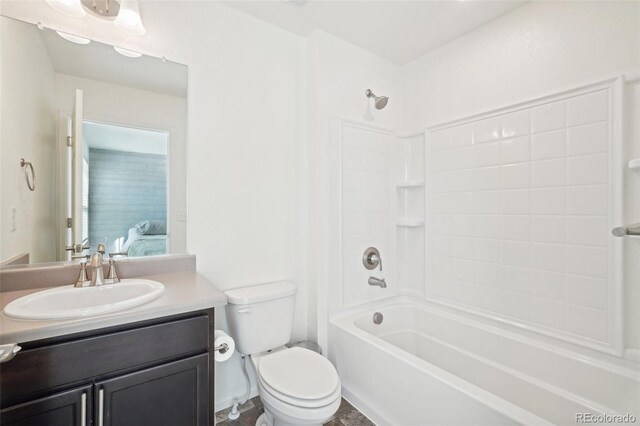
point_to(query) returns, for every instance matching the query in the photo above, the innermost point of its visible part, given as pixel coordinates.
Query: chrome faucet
(97, 273)
(377, 282)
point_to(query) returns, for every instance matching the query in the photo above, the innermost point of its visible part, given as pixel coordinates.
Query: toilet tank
(261, 316)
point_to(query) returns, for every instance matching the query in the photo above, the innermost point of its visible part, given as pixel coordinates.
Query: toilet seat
(299, 377)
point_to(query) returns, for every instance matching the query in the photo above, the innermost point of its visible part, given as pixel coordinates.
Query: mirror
(92, 148)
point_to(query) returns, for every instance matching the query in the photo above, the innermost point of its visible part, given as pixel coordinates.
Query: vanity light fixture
(125, 14)
(128, 19)
(68, 7)
(73, 38)
(126, 52)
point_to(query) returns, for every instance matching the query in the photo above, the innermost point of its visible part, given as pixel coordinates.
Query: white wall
(114, 104)
(246, 142)
(538, 49)
(28, 131)
(339, 73)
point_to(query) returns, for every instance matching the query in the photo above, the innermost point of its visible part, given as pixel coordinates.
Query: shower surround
(507, 215)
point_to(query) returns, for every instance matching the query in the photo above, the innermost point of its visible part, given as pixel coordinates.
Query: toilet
(296, 385)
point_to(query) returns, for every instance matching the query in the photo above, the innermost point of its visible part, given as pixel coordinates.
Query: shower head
(380, 101)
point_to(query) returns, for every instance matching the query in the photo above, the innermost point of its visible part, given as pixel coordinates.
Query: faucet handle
(112, 275)
(82, 280)
(371, 258)
(76, 248)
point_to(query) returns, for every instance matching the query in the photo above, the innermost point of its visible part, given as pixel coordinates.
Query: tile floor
(347, 415)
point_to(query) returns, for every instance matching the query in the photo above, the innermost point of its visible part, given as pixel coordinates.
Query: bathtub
(426, 364)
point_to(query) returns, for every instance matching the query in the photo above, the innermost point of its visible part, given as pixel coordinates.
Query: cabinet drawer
(69, 363)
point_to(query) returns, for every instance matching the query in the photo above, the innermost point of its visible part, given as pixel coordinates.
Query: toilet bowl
(297, 386)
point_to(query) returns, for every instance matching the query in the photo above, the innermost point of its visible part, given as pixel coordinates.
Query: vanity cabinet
(170, 394)
(69, 408)
(156, 373)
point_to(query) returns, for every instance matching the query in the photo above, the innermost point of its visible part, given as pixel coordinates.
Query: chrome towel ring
(28, 170)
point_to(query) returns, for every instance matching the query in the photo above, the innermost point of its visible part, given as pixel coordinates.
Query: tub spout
(378, 282)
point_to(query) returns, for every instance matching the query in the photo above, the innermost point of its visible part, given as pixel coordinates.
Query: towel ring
(31, 181)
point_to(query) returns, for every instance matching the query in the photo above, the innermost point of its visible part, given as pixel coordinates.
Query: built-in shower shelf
(635, 164)
(410, 184)
(410, 223)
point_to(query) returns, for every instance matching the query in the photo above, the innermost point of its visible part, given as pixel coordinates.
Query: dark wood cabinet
(69, 408)
(156, 373)
(168, 395)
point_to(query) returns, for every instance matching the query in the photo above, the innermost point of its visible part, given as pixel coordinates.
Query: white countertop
(184, 292)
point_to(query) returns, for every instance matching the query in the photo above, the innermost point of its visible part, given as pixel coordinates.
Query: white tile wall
(367, 202)
(519, 208)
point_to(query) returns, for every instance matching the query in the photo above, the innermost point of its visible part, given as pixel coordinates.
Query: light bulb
(68, 7)
(126, 52)
(73, 38)
(128, 19)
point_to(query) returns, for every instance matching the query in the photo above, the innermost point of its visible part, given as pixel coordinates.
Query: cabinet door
(168, 395)
(70, 408)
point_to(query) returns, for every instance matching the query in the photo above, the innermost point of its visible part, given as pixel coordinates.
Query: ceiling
(120, 138)
(98, 61)
(400, 31)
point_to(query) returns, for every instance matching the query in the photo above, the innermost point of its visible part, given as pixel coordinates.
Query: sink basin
(70, 302)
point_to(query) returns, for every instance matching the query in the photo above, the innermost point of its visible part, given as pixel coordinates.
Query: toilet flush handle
(246, 310)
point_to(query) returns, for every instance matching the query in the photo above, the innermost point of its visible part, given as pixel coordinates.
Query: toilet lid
(299, 372)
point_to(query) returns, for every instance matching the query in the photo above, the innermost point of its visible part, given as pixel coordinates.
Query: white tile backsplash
(487, 250)
(588, 230)
(486, 178)
(588, 200)
(548, 173)
(589, 139)
(516, 123)
(588, 169)
(549, 257)
(487, 154)
(548, 201)
(461, 135)
(514, 176)
(486, 130)
(548, 313)
(587, 322)
(548, 145)
(589, 292)
(548, 117)
(549, 285)
(549, 229)
(588, 108)
(516, 201)
(524, 231)
(515, 150)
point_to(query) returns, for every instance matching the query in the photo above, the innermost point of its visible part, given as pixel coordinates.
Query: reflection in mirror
(105, 131)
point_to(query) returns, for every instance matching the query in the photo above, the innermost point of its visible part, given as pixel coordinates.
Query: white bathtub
(431, 365)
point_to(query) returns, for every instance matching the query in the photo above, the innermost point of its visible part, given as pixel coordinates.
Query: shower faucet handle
(371, 258)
